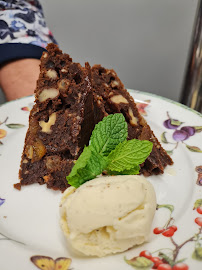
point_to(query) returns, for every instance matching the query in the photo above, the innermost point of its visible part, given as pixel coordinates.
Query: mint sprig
(134, 170)
(128, 154)
(109, 151)
(87, 167)
(108, 133)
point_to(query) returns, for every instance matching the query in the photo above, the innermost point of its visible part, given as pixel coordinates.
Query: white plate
(29, 219)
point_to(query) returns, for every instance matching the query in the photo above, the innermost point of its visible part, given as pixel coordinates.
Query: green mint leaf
(133, 171)
(108, 133)
(87, 167)
(128, 154)
(109, 151)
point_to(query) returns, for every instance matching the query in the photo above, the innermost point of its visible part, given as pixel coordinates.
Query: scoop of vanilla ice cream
(108, 214)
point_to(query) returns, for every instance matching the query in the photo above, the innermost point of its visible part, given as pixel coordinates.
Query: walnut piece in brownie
(60, 123)
(110, 96)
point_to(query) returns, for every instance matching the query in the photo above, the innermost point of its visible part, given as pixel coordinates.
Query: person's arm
(18, 78)
(23, 38)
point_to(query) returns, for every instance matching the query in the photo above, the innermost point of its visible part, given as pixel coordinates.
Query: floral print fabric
(23, 22)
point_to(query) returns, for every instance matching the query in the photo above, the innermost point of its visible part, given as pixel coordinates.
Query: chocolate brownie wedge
(60, 123)
(69, 101)
(110, 96)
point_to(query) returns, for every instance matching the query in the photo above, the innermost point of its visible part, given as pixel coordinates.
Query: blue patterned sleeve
(23, 30)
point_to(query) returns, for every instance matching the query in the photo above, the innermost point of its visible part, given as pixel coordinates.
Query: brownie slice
(110, 96)
(69, 101)
(60, 123)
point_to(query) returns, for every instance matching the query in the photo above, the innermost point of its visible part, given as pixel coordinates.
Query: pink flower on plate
(142, 106)
(27, 108)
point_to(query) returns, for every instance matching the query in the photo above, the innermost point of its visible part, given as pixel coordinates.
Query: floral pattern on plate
(28, 107)
(167, 258)
(198, 169)
(2, 201)
(181, 133)
(142, 106)
(44, 262)
(3, 132)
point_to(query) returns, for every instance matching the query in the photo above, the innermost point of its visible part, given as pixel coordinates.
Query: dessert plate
(30, 234)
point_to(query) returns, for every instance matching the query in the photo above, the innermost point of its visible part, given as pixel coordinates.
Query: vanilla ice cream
(108, 214)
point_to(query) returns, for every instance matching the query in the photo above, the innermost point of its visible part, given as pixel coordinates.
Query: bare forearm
(18, 78)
